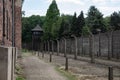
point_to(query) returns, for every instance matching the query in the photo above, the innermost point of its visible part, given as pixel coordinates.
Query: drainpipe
(3, 23)
(13, 23)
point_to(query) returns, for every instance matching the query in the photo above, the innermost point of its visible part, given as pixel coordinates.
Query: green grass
(19, 72)
(20, 78)
(67, 74)
(26, 50)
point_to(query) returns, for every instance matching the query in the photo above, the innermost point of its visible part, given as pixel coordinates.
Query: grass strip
(67, 74)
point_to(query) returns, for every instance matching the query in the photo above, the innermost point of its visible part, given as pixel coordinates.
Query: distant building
(10, 23)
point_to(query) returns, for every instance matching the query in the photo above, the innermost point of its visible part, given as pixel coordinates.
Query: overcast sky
(39, 7)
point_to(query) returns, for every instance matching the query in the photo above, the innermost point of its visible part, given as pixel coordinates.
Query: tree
(86, 31)
(107, 23)
(95, 20)
(55, 29)
(67, 18)
(51, 19)
(115, 20)
(74, 25)
(28, 23)
(64, 29)
(80, 23)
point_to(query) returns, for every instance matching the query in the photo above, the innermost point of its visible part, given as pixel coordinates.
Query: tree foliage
(80, 24)
(56, 26)
(51, 20)
(64, 25)
(115, 20)
(64, 29)
(86, 31)
(74, 24)
(28, 23)
(95, 20)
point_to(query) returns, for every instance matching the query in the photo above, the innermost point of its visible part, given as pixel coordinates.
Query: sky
(39, 7)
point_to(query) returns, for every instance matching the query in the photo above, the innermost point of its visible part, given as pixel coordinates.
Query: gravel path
(84, 69)
(35, 69)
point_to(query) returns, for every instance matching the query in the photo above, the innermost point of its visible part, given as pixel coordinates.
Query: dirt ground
(36, 69)
(84, 70)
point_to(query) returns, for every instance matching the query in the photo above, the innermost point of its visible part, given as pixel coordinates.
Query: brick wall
(18, 23)
(6, 18)
(1, 20)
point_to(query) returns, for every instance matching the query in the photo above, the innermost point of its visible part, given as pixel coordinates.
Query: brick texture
(6, 13)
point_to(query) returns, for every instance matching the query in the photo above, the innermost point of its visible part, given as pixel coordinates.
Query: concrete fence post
(99, 53)
(7, 63)
(48, 47)
(58, 47)
(82, 45)
(52, 47)
(92, 55)
(66, 63)
(42, 54)
(110, 73)
(65, 54)
(50, 57)
(76, 48)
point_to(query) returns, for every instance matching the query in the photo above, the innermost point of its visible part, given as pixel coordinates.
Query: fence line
(105, 45)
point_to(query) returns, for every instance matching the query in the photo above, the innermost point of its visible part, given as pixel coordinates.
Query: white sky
(39, 7)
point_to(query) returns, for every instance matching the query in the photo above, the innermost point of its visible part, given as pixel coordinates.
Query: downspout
(3, 23)
(13, 23)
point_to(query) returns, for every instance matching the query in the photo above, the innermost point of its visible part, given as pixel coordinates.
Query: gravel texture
(36, 69)
(84, 69)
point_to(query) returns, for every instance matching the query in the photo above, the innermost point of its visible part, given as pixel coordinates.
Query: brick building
(10, 23)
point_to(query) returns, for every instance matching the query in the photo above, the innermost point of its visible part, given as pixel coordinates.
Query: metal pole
(13, 31)
(3, 34)
(13, 23)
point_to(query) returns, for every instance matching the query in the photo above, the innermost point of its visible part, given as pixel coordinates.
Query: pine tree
(80, 23)
(52, 17)
(95, 20)
(115, 20)
(64, 29)
(74, 25)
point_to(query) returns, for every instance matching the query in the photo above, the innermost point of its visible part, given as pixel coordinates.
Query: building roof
(37, 28)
